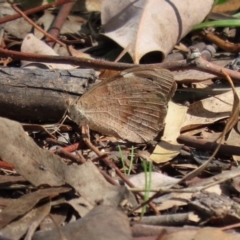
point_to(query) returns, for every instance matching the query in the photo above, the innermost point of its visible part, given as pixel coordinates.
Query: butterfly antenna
(65, 115)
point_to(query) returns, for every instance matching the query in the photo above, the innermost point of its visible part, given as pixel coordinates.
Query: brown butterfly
(132, 105)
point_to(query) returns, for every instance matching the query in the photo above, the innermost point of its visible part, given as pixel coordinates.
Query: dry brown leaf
(80, 6)
(24, 204)
(169, 148)
(45, 209)
(168, 219)
(73, 27)
(191, 76)
(9, 180)
(31, 44)
(213, 233)
(28, 159)
(106, 74)
(102, 223)
(165, 151)
(183, 234)
(30, 4)
(227, 6)
(209, 110)
(58, 217)
(152, 27)
(172, 200)
(201, 234)
(232, 120)
(41, 167)
(18, 27)
(234, 139)
(18, 228)
(92, 5)
(209, 135)
(80, 205)
(181, 47)
(158, 180)
(87, 6)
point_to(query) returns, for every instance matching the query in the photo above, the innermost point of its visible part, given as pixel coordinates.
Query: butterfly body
(131, 105)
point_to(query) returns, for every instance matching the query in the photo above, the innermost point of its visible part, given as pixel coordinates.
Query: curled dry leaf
(152, 27)
(31, 44)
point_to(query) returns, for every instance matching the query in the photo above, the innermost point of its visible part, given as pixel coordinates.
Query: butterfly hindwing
(132, 105)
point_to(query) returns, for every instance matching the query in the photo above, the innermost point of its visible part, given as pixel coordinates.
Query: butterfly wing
(132, 105)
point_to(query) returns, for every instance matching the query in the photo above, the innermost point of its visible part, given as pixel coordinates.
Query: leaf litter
(83, 194)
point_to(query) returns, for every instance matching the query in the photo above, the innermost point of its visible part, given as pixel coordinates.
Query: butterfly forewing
(132, 105)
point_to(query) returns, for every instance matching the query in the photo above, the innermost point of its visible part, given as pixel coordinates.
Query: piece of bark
(40, 94)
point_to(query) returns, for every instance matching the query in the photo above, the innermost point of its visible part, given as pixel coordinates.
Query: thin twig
(201, 64)
(36, 26)
(59, 21)
(201, 143)
(112, 165)
(34, 10)
(220, 178)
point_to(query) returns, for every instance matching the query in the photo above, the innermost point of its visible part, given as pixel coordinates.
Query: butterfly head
(76, 113)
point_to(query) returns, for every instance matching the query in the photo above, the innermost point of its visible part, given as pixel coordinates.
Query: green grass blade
(236, 15)
(122, 160)
(218, 23)
(131, 161)
(145, 187)
(147, 167)
(150, 165)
